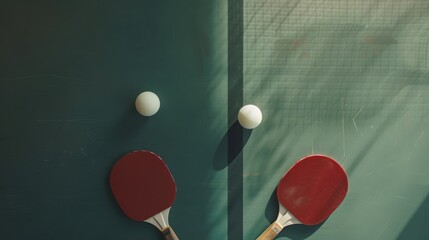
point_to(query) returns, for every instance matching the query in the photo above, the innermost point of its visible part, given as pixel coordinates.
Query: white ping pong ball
(147, 103)
(249, 116)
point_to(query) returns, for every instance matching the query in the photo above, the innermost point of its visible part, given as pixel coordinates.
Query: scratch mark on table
(419, 138)
(390, 166)
(354, 118)
(401, 197)
(312, 146)
(386, 226)
(68, 120)
(65, 78)
(342, 115)
(277, 128)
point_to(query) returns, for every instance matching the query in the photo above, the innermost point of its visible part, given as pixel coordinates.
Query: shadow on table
(232, 144)
(417, 228)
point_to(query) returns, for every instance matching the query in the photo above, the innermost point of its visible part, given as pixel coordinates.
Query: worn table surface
(344, 78)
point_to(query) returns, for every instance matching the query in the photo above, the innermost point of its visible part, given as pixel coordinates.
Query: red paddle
(308, 193)
(144, 189)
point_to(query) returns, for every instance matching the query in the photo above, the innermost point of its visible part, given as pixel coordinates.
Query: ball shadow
(130, 125)
(231, 145)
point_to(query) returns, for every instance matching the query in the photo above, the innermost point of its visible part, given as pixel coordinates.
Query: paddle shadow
(416, 227)
(294, 232)
(231, 146)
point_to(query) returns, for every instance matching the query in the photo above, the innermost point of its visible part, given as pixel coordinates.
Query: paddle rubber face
(142, 185)
(313, 188)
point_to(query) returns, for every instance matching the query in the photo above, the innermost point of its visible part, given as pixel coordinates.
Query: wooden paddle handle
(271, 232)
(169, 234)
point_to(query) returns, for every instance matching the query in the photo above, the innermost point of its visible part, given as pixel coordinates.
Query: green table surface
(349, 79)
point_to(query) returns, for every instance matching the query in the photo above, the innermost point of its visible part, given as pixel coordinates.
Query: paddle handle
(271, 232)
(169, 234)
